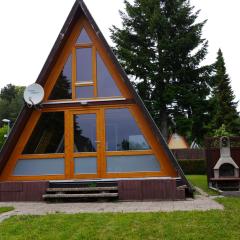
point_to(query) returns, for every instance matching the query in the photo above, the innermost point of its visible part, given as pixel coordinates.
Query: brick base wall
(22, 191)
(149, 189)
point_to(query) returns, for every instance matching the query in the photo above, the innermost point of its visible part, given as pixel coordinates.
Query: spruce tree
(160, 45)
(223, 104)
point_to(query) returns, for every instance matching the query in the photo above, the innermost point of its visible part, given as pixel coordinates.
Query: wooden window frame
(70, 48)
(91, 82)
(101, 154)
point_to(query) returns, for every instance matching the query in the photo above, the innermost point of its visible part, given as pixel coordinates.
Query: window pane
(48, 135)
(84, 64)
(36, 167)
(83, 37)
(122, 132)
(84, 92)
(106, 85)
(85, 165)
(142, 163)
(85, 133)
(63, 87)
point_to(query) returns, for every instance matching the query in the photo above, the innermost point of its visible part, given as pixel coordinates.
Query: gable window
(63, 86)
(85, 74)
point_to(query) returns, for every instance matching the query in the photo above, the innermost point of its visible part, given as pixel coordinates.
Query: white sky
(29, 29)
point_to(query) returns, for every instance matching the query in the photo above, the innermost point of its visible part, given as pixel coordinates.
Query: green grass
(5, 209)
(215, 224)
(201, 182)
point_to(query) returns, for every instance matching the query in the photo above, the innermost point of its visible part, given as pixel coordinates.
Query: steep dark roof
(79, 9)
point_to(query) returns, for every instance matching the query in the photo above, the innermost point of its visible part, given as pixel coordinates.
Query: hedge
(193, 166)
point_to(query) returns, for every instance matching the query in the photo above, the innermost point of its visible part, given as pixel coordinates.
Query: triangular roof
(79, 9)
(177, 141)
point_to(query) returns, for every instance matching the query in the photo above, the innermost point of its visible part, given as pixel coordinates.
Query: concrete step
(82, 189)
(88, 195)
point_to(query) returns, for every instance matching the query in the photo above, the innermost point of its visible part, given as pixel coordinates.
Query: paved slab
(200, 203)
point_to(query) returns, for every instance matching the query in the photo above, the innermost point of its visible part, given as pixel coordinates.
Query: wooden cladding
(71, 156)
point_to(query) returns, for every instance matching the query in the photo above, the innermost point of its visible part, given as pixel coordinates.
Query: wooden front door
(85, 144)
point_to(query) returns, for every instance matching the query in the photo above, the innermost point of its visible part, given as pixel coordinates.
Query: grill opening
(226, 170)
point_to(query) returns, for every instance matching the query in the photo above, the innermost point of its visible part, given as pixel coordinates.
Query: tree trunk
(164, 124)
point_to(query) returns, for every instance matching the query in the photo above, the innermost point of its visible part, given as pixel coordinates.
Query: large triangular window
(85, 75)
(63, 86)
(48, 135)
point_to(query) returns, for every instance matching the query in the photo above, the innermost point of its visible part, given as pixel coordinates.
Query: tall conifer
(160, 45)
(224, 107)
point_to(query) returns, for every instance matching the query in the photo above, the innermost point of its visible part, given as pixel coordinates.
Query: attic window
(85, 74)
(83, 37)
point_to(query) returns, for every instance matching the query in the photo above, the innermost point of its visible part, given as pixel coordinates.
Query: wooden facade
(85, 100)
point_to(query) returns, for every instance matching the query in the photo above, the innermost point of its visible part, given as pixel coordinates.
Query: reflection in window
(85, 165)
(63, 86)
(141, 163)
(84, 92)
(38, 167)
(48, 135)
(85, 133)
(84, 64)
(106, 85)
(122, 132)
(83, 37)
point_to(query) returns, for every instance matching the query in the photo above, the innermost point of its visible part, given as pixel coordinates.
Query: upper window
(63, 86)
(85, 74)
(84, 64)
(122, 131)
(106, 85)
(48, 135)
(83, 37)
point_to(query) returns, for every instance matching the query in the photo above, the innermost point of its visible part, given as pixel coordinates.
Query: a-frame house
(92, 127)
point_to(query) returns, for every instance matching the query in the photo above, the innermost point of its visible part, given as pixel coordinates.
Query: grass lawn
(5, 209)
(215, 224)
(201, 182)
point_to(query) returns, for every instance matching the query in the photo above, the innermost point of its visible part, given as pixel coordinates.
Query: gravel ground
(200, 203)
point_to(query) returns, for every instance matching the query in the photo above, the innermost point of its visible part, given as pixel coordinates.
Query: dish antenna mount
(33, 95)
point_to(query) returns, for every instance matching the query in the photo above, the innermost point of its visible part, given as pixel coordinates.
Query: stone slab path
(200, 203)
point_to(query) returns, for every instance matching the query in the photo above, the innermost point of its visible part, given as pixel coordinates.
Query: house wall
(22, 191)
(129, 190)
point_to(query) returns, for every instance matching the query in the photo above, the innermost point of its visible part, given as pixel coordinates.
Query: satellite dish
(33, 94)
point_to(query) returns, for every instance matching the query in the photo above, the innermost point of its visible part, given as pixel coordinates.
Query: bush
(192, 167)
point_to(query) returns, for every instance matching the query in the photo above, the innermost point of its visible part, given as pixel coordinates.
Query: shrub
(191, 167)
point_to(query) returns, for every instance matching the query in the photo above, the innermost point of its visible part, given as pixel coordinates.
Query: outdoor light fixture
(8, 123)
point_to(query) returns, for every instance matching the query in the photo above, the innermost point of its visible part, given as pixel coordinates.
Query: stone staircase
(81, 191)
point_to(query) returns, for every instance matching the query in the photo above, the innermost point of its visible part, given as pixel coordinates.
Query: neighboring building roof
(177, 141)
(80, 9)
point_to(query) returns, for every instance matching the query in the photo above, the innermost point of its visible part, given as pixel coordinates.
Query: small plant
(222, 131)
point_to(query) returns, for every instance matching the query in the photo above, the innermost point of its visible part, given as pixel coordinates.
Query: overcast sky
(29, 29)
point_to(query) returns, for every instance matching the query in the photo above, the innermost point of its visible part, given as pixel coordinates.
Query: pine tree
(223, 104)
(161, 46)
